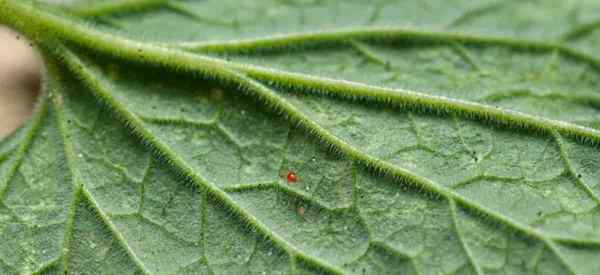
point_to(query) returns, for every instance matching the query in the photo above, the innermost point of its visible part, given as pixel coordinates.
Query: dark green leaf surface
(429, 137)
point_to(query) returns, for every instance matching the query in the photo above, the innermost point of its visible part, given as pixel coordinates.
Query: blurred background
(20, 74)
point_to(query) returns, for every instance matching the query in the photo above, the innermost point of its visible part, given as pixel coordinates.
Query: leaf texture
(429, 137)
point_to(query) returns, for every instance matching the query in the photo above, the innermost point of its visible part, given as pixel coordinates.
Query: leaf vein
(79, 183)
(465, 247)
(136, 123)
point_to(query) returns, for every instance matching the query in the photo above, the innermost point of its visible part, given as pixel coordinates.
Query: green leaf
(438, 137)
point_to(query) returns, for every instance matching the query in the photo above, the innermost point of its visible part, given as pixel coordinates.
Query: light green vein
(180, 121)
(155, 224)
(552, 247)
(567, 160)
(109, 22)
(183, 11)
(137, 125)
(474, 13)
(203, 203)
(238, 188)
(343, 37)
(535, 259)
(465, 56)
(586, 100)
(108, 8)
(113, 229)
(118, 168)
(78, 179)
(465, 247)
(368, 53)
(98, 9)
(22, 150)
(395, 252)
(69, 227)
(580, 31)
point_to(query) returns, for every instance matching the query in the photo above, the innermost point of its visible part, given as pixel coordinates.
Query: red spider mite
(292, 177)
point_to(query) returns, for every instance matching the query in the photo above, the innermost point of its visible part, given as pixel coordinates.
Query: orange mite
(292, 177)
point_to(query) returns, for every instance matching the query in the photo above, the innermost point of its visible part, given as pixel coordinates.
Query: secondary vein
(114, 7)
(459, 234)
(378, 35)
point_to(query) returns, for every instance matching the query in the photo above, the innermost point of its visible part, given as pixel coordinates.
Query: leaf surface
(428, 138)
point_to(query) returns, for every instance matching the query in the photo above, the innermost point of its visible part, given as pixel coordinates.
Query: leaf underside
(429, 137)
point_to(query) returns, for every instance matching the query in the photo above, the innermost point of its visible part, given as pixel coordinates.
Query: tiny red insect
(292, 177)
